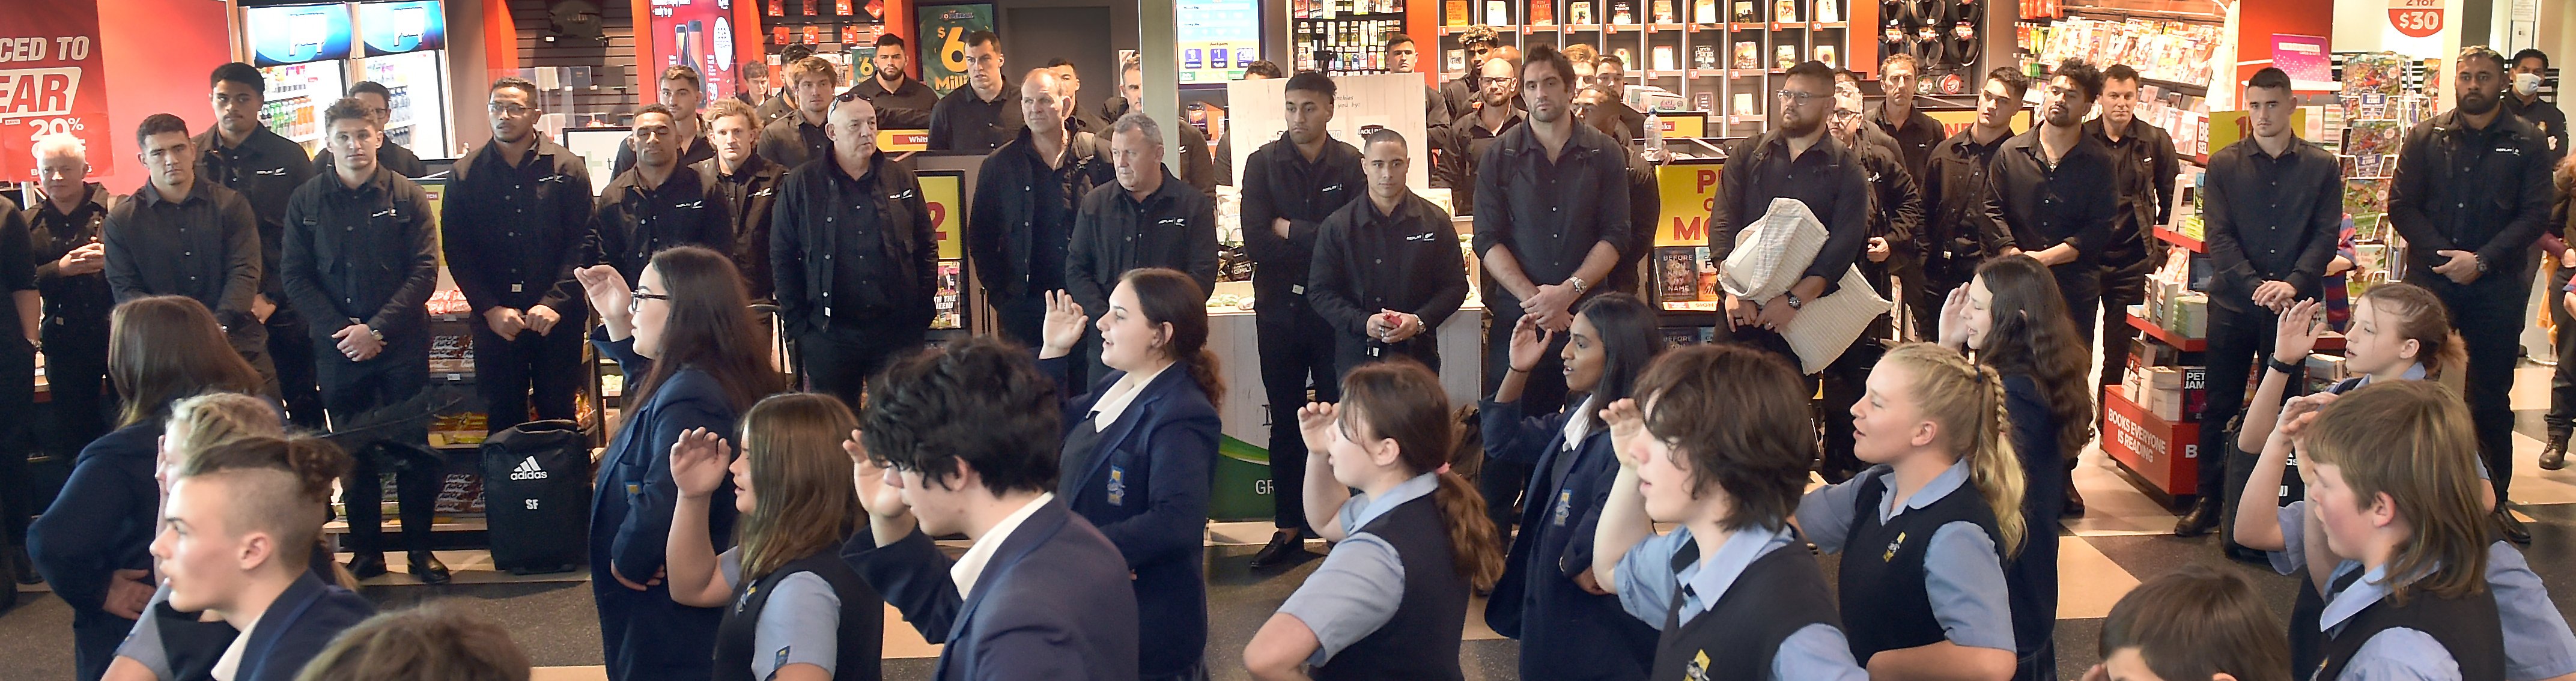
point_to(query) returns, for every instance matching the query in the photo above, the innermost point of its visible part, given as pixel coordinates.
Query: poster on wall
(398, 27)
(52, 80)
(1217, 38)
(943, 30)
(699, 34)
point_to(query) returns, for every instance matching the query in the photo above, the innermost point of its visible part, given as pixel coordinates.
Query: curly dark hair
(2034, 336)
(1759, 452)
(979, 400)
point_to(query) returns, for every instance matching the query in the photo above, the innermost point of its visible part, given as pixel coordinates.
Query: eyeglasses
(1796, 98)
(847, 96)
(638, 296)
(1841, 115)
(511, 110)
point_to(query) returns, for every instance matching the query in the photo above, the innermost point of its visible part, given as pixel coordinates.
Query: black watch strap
(2287, 368)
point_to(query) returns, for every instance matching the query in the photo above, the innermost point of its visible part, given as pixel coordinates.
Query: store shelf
(2168, 337)
(2177, 238)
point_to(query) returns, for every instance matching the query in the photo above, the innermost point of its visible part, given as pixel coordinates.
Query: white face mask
(2526, 84)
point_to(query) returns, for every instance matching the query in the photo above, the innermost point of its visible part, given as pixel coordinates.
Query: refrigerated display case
(311, 54)
(299, 50)
(403, 45)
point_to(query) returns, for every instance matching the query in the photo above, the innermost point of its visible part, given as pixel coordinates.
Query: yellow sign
(941, 192)
(899, 141)
(1957, 120)
(1690, 193)
(2227, 127)
(1684, 124)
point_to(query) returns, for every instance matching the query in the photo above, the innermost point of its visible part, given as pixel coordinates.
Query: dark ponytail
(1167, 296)
(1401, 400)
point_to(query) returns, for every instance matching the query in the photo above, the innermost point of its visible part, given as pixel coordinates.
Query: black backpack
(536, 489)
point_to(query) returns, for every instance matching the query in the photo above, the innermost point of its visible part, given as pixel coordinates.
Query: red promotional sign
(51, 81)
(2416, 18)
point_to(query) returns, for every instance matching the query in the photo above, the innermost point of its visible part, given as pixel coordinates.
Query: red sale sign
(2416, 18)
(51, 81)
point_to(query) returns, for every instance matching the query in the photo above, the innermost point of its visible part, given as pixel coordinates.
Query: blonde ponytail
(1967, 400)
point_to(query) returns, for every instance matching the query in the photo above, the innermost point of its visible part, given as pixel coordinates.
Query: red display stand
(2162, 458)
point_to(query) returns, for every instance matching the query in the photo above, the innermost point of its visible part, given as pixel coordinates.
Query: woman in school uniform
(1140, 448)
(1547, 596)
(685, 329)
(1926, 530)
(1734, 591)
(1390, 602)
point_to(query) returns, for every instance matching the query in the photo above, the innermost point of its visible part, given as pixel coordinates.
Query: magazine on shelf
(1703, 57)
(1705, 12)
(1623, 12)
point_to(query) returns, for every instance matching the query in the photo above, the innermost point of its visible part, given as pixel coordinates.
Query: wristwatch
(1794, 302)
(2287, 368)
(1578, 284)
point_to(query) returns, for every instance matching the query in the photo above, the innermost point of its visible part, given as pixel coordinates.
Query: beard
(2477, 106)
(1800, 128)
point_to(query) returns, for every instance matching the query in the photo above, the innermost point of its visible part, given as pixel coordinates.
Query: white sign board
(1388, 100)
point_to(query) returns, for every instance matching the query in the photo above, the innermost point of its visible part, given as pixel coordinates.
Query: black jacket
(1829, 178)
(1198, 165)
(2271, 218)
(1896, 212)
(1914, 141)
(697, 149)
(1173, 227)
(1550, 213)
(1366, 261)
(791, 143)
(2496, 182)
(515, 233)
(1278, 182)
(634, 222)
(366, 255)
(17, 273)
(1022, 220)
(79, 302)
(204, 245)
(2144, 166)
(907, 107)
(750, 193)
(1955, 234)
(2074, 203)
(965, 124)
(390, 156)
(2545, 117)
(873, 231)
(265, 169)
(1458, 150)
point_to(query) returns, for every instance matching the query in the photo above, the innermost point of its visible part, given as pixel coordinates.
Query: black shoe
(2074, 502)
(365, 565)
(2554, 455)
(427, 569)
(1284, 548)
(2202, 518)
(2512, 527)
(26, 566)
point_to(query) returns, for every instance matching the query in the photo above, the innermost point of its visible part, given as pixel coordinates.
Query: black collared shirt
(1914, 139)
(204, 245)
(1173, 227)
(1366, 261)
(697, 150)
(1549, 213)
(1956, 235)
(1827, 177)
(17, 270)
(78, 301)
(2545, 117)
(265, 169)
(2073, 201)
(2461, 188)
(2271, 218)
(907, 107)
(966, 124)
(750, 193)
(853, 253)
(514, 232)
(1896, 213)
(1022, 220)
(1278, 182)
(791, 143)
(389, 156)
(2143, 168)
(1459, 150)
(366, 254)
(634, 221)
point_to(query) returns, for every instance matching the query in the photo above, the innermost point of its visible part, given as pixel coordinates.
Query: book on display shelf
(1663, 12)
(1784, 56)
(1498, 12)
(1454, 13)
(1784, 11)
(1579, 13)
(1542, 13)
(1703, 57)
(1825, 53)
(1744, 12)
(1828, 11)
(1623, 12)
(1663, 55)
(1748, 54)
(1705, 11)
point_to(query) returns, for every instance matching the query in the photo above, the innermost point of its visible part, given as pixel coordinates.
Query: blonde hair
(2412, 441)
(61, 144)
(1967, 400)
(204, 421)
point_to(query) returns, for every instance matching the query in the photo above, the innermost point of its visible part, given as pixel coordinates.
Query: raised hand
(2295, 333)
(879, 489)
(1954, 317)
(1529, 344)
(606, 289)
(1064, 327)
(1315, 422)
(698, 462)
(1626, 425)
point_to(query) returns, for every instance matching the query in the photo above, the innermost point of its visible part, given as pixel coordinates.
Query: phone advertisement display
(1218, 37)
(398, 27)
(698, 34)
(298, 34)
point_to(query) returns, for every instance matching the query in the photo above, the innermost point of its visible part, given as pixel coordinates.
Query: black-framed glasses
(1794, 97)
(638, 296)
(847, 96)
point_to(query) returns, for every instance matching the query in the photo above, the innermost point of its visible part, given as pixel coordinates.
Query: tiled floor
(2125, 537)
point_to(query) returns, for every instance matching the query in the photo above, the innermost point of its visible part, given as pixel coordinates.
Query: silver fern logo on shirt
(692, 205)
(901, 195)
(1333, 188)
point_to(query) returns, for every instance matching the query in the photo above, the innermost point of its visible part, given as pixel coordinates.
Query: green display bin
(1242, 479)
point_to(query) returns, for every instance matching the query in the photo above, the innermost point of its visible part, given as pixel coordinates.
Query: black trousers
(76, 371)
(2562, 383)
(17, 437)
(542, 371)
(2489, 315)
(1296, 353)
(2080, 283)
(839, 362)
(296, 375)
(1023, 320)
(351, 389)
(1502, 482)
(2119, 291)
(2240, 333)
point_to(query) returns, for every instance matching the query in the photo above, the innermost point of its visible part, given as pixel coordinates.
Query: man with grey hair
(851, 254)
(1025, 195)
(1198, 165)
(64, 228)
(1148, 219)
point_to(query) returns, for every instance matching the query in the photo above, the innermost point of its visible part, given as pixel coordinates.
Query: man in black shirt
(1914, 131)
(1799, 160)
(182, 235)
(798, 138)
(1147, 219)
(853, 255)
(1956, 235)
(361, 257)
(1461, 94)
(516, 215)
(1551, 219)
(659, 204)
(2273, 213)
(902, 102)
(71, 264)
(1198, 165)
(1070, 81)
(750, 187)
(1387, 269)
(682, 91)
(1022, 219)
(2144, 166)
(1289, 186)
(980, 117)
(1403, 57)
(1469, 137)
(2470, 195)
(18, 299)
(243, 155)
(391, 156)
(2053, 189)
(2530, 67)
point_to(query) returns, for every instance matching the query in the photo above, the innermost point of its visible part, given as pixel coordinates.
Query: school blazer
(630, 511)
(297, 626)
(1146, 486)
(1539, 571)
(1049, 605)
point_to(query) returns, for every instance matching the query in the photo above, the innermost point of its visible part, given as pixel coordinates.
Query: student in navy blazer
(91, 545)
(236, 541)
(1139, 450)
(1547, 597)
(686, 330)
(966, 434)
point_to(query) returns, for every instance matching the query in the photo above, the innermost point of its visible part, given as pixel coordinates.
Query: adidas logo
(528, 470)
